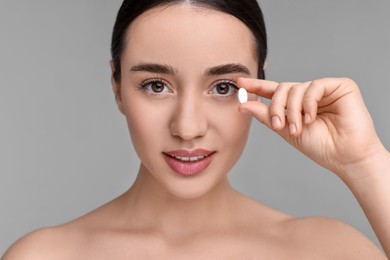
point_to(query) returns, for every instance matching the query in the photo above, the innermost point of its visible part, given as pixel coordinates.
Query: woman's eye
(224, 89)
(156, 87)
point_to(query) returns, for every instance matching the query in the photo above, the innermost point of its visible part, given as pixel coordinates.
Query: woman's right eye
(156, 87)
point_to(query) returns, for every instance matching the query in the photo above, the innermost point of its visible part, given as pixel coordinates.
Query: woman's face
(178, 93)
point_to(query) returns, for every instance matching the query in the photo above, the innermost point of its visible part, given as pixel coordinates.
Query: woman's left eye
(224, 89)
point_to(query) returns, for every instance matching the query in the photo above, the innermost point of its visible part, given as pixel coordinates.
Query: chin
(189, 194)
(192, 188)
(180, 186)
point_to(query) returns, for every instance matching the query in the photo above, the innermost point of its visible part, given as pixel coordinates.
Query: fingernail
(307, 118)
(293, 128)
(276, 123)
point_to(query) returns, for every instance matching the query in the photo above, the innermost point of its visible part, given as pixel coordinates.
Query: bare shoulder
(67, 241)
(45, 243)
(332, 237)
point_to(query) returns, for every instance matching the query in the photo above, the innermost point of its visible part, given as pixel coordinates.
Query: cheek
(231, 125)
(147, 123)
(238, 130)
(231, 130)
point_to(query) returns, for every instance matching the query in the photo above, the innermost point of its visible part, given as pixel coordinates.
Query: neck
(151, 206)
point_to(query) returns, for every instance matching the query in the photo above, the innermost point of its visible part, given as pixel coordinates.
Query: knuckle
(274, 111)
(350, 82)
(296, 89)
(308, 100)
(283, 86)
(316, 83)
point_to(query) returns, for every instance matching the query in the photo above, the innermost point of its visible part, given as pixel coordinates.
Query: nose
(189, 120)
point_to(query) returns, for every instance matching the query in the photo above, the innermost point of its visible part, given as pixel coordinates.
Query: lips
(188, 163)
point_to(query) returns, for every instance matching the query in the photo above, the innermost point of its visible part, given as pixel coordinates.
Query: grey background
(65, 148)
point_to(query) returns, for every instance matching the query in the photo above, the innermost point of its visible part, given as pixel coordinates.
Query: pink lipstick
(188, 162)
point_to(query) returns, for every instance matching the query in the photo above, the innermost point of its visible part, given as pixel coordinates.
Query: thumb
(257, 109)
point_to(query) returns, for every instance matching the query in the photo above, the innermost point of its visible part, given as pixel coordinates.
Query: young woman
(176, 69)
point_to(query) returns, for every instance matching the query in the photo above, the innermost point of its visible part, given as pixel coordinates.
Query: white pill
(242, 95)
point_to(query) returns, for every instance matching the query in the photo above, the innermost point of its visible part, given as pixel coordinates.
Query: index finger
(260, 87)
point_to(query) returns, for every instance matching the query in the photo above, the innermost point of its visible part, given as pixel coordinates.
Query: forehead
(183, 35)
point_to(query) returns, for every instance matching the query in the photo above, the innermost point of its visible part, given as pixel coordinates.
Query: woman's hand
(325, 119)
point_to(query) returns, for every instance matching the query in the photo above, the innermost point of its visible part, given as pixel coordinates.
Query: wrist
(371, 169)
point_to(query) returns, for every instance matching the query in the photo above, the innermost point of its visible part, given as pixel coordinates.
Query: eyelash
(228, 82)
(144, 84)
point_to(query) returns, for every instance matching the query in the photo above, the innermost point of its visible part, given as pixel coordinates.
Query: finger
(310, 102)
(325, 91)
(258, 110)
(294, 108)
(278, 105)
(261, 112)
(260, 87)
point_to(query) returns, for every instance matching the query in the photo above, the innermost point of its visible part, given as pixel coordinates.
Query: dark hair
(248, 11)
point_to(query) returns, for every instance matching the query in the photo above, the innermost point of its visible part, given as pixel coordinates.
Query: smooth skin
(166, 216)
(327, 120)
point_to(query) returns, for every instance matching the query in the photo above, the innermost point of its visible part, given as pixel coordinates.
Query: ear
(265, 65)
(116, 88)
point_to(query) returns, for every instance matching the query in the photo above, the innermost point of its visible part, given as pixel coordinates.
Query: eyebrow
(154, 68)
(229, 68)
